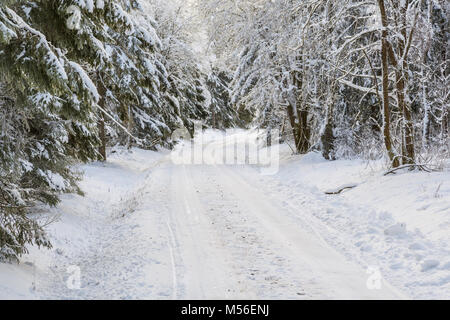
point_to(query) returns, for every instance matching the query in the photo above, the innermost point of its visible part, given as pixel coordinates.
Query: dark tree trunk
(328, 142)
(129, 127)
(294, 126)
(304, 131)
(328, 137)
(385, 70)
(101, 122)
(101, 128)
(298, 118)
(445, 124)
(401, 80)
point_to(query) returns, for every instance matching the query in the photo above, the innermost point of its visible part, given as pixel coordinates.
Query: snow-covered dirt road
(152, 229)
(236, 243)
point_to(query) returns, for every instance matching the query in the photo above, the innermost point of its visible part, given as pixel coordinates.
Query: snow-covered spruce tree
(68, 67)
(117, 46)
(47, 119)
(222, 113)
(194, 90)
(186, 94)
(139, 83)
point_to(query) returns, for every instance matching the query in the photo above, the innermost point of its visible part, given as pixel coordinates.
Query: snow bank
(400, 223)
(78, 222)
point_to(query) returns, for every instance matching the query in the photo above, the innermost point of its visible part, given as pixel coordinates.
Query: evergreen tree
(76, 73)
(222, 113)
(46, 109)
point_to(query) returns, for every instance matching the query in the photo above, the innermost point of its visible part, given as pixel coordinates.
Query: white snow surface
(150, 229)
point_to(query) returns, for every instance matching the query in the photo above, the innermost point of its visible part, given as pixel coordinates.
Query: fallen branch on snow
(341, 188)
(421, 167)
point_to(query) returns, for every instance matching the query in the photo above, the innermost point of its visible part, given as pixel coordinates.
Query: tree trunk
(385, 71)
(401, 81)
(328, 141)
(426, 110)
(214, 124)
(408, 155)
(129, 127)
(101, 122)
(294, 125)
(445, 124)
(101, 128)
(328, 137)
(425, 104)
(304, 132)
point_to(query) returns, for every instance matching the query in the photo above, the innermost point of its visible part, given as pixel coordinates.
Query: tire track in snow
(338, 277)
(171, 246)
(207, 273)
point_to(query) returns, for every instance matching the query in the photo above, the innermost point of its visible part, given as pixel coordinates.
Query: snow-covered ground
(151, 229)
(398, 223)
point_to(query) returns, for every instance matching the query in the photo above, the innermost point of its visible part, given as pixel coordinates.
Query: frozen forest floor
(151, 229)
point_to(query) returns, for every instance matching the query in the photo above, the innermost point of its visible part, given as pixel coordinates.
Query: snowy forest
(343, 79)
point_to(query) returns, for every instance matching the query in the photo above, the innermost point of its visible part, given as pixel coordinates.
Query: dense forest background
(348, 78)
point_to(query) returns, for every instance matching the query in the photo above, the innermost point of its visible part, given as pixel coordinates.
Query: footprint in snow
(398, 229)
(417, 246)
(429, 264)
